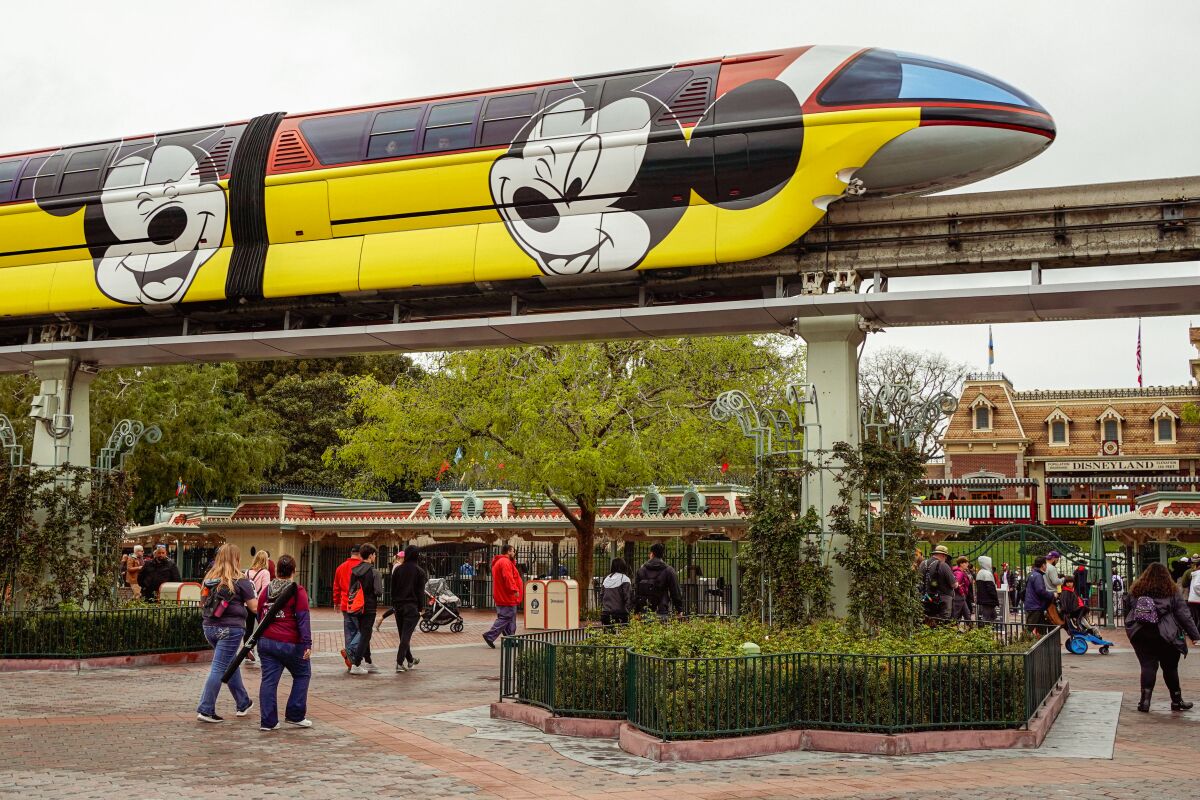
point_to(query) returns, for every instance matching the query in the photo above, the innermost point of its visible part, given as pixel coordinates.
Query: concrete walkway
(132, 733)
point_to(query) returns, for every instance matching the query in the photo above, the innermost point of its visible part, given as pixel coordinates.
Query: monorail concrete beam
(62, 415)
(832, 369)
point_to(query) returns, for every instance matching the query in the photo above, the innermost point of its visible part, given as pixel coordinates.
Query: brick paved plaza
(132, 733)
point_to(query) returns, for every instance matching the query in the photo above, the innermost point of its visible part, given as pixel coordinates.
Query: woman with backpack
(616, 594)
(259, 575)
(227, 599)
(1156, 619)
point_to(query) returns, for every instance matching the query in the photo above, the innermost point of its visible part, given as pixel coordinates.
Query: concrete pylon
(831, 364)
(61, 411)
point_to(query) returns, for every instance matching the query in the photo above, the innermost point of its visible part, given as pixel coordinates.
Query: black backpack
(650, 592)
(930, 584)
(211, 598)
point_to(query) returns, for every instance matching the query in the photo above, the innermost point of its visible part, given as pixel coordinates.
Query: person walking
(1053, 580)
(397, 560)
(616, 594)
(964, 591)
(1038, 596)
(657, 586)
(507, 591)
(228, 598)
(341, 588)
(1083, 586)
(1156, 620)
(364, 580)
(260, 576)
(937, 586)
(986, 595)
(133, 567)
(156, 572)
(408, 595)
(285, 644)
(1193, 597)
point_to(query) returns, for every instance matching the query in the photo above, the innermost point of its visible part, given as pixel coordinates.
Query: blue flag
(991, 349)
(458, 454)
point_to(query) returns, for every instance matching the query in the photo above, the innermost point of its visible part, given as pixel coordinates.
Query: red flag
(1139, 354)
(443, 469)
(724, 467)
(500, 465)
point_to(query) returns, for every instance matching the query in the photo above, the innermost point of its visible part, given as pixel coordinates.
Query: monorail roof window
(505, 116)
(883, 76)
(126, 173)
(83, 171)
(451, 126)
(336, 140)
(566, 110)
(394, 133)
(8, 176)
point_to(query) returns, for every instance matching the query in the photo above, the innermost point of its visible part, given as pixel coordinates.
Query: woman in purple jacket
(285, 644)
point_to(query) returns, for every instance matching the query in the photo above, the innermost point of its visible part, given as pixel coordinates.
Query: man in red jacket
(341, 592)
(507, 588)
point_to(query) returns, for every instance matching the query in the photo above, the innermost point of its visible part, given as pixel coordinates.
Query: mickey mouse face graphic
(149, 241)
(563, 190)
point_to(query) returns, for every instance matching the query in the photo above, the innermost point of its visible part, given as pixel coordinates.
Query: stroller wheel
(456, 626)
(427, 627)
(1104, 650)
(1077, 645)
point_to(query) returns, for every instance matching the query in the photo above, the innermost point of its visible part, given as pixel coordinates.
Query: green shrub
(91, 634)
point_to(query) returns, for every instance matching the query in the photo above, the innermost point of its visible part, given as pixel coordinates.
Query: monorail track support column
(832, 370)
(61, 412)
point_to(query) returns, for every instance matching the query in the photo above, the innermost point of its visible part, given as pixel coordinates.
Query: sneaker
(265, 728)
(414, 662)
(490, 643)
(359, 670)
(244, 711)
(209, 718)
(304, 723)
(372, 668)
(346, 658)
(401, 668)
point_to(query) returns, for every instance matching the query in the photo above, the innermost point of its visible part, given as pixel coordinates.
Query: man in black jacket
(657, 585)
(155, 573)
(366, 579)
(408, 596)
(937, 585)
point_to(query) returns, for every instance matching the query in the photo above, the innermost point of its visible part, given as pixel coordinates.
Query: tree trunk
(585, 537)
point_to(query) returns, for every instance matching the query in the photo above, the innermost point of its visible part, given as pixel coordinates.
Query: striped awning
(983, 482)
(1128, 480)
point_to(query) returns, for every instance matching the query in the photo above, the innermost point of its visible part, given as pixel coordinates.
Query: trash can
(562, 604)
(535, 605)
(177, 592)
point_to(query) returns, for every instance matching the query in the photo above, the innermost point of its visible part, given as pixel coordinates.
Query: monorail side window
(451, 126)
(82, 173)
(394, 133)
(505, 116)
(8, 176)
(566, 109)
(122, 175)
(336, 140)
(41, 171)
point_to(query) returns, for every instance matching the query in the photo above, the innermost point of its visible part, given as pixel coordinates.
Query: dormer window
(1164, 422)
(1110, 425)
(981, 414)
(1060, 428)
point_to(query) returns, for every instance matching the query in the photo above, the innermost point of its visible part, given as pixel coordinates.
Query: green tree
(577, 423)
(16, 394)
(214, 438)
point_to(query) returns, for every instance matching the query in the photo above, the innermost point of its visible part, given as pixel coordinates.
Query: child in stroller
(1074, 611)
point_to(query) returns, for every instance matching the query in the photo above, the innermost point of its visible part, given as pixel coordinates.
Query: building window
(1166, 429)
(1058, 432)
(1110, 430)
(983, 418)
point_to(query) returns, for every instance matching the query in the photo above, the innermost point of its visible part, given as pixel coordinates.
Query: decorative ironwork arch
(123, 441)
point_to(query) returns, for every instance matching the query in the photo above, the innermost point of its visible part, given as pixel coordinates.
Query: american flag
(1139, 354)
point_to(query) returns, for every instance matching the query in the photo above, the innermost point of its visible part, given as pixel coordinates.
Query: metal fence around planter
(689, 698)
(96, 634)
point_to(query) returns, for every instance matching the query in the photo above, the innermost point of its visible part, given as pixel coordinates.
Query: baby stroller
(441, 607)
(1079, 634)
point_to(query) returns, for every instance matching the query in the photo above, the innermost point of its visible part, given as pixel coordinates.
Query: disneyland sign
(1115, 465)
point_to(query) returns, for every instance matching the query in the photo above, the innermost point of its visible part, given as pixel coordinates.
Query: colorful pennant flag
(1139, 354)
(991, 349)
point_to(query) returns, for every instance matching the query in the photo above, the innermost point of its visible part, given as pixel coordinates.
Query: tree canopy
(924, 375)
(574, 423)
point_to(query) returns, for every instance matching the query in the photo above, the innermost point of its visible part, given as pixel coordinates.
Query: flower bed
(97, 634)
(688, 680)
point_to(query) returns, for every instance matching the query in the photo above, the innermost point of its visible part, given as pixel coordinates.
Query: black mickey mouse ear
(757, 135)
(45, 186)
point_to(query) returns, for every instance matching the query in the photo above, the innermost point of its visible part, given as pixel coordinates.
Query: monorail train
(706, 162)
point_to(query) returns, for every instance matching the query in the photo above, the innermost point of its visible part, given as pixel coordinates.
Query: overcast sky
(1119, 81)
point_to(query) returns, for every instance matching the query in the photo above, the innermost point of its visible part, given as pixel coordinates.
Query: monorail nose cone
(167, 225)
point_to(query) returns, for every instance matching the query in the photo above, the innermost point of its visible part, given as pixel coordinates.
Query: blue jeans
(506, 623)
(276, 657)
(225, 642)
(349, 629)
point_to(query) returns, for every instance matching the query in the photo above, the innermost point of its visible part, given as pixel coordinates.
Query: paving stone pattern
(133, 733)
